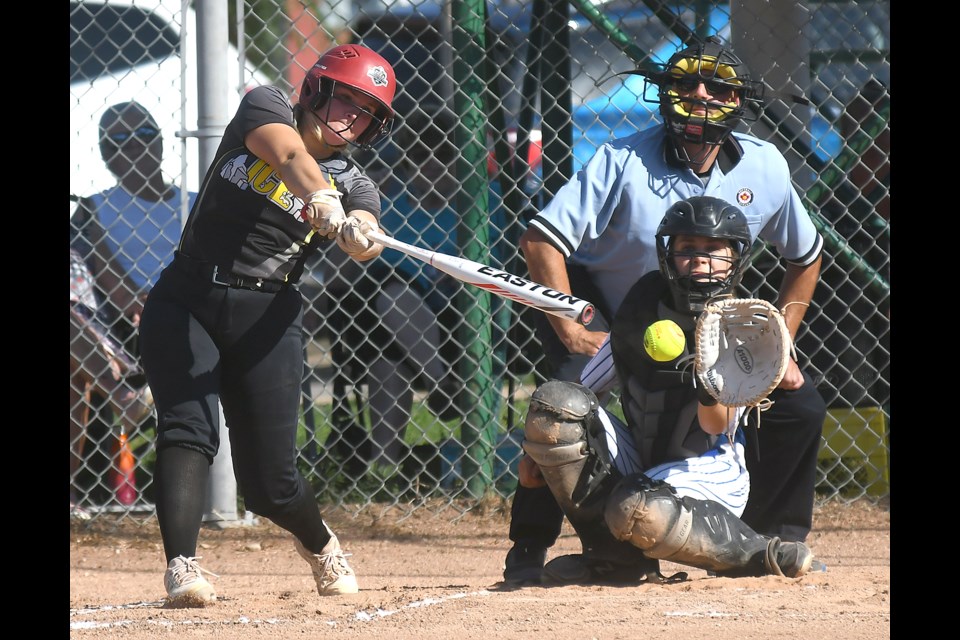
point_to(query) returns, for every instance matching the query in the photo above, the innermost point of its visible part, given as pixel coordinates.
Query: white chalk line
(426, 602)
(92, 624)
(114, 607)
(168, 624)
(365, 616)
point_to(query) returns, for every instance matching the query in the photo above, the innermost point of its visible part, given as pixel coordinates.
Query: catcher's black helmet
(714, 64)
(711, 218)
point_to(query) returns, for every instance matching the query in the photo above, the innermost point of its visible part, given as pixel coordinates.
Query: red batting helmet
(359, 68)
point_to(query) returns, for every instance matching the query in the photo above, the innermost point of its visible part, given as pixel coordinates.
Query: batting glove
(324, 212)
(352, 238)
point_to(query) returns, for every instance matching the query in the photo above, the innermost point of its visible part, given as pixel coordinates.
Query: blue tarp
(619, 114)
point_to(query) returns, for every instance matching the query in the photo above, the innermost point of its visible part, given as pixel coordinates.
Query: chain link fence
(517, 95)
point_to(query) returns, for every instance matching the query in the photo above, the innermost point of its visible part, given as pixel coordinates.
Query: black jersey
(658, 398)
(245, 220)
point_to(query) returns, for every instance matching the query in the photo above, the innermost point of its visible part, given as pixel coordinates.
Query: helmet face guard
(377, 130)
(727, 80)
(360, 69)
(706, 217)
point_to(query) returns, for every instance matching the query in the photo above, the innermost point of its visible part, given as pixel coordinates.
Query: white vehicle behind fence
(124, 50)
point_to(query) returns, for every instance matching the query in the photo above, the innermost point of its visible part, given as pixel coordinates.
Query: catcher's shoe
(790, 559)
(330, 569)
(524, 564)
(185, 584)
(787, 559)
(579, 569)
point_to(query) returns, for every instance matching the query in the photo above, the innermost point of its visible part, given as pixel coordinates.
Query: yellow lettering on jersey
(264, 180)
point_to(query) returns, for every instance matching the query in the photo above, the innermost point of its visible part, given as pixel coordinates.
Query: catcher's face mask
(706, 261)
(692, 229)
(703, 91)
(702, 268)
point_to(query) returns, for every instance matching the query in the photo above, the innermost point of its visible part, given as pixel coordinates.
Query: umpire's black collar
(727, 159)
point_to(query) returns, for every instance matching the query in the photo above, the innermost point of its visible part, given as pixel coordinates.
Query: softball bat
(500, 283)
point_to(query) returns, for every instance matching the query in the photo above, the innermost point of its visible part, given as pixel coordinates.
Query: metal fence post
(212, 116)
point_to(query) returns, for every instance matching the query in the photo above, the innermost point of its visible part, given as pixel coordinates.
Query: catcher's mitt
(742, 350)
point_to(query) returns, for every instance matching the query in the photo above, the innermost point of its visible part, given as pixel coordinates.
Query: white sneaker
(185, 585)
(330, 569)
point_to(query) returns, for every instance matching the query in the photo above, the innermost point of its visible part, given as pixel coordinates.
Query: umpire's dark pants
(781, 454)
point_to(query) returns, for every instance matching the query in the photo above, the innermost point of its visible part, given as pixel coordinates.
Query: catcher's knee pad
(649, 514)
(558, 411)
(700, 533)
(555, 437)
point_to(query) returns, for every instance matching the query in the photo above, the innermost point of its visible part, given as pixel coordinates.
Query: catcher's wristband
(704, 397)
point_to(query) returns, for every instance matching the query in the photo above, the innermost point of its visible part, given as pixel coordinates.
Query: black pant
(202, 342)
(781, 454)
(782, 461)
(535, 515)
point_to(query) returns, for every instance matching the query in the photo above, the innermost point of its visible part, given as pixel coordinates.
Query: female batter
(224, 321)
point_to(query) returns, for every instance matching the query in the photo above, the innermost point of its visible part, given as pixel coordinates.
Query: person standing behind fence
(98, 364)
(129, 231)
(135, 225)
(225, 320)
(401, 311)
(596, 238)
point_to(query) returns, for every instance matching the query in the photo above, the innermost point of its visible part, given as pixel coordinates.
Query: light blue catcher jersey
(606, 217)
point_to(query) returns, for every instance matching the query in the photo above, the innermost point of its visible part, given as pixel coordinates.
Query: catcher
(671, 483)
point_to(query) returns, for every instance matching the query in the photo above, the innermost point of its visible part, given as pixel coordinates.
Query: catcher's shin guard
(564, 436)
(699, 533)
(555, 437)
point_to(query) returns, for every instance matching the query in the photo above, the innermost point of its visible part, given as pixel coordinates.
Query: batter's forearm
(281, 147)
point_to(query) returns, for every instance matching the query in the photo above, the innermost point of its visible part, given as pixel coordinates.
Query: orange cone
(124, 475)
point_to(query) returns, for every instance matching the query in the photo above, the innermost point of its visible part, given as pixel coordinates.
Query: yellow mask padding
(706, 69)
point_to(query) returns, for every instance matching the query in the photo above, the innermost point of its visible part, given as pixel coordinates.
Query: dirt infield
(426, 578)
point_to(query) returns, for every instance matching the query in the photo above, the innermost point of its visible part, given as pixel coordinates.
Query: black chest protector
(659, 400)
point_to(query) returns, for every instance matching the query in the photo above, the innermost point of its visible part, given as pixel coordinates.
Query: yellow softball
(664, 340)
